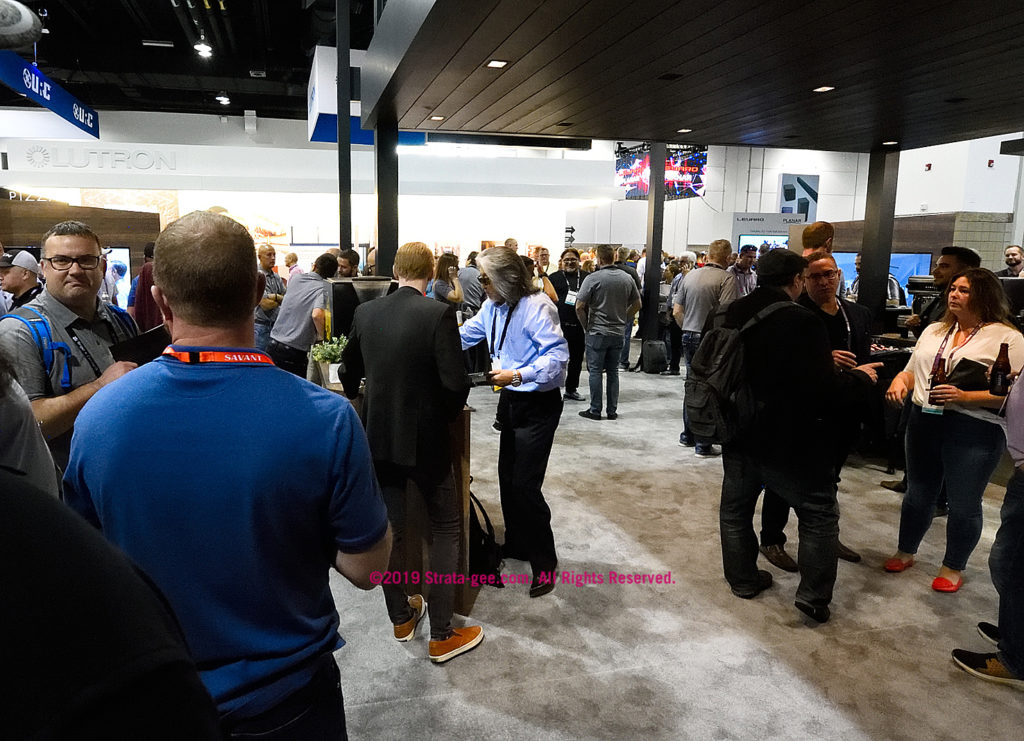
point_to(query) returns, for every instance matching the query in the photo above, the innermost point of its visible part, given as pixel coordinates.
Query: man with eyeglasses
(79, 330)
(848, 326)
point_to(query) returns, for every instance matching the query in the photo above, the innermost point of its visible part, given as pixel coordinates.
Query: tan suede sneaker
(460, 641)
(407, 630)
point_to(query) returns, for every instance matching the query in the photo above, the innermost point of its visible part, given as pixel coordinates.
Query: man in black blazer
(409, 350)
(848, 326)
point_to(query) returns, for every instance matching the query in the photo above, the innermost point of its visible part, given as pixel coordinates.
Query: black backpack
(484, 551)
(719, 402)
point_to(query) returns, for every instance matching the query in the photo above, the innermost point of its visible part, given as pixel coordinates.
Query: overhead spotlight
(437, 118)
(683, 131)
(496, 63)
(889, 144)
(223, 98)
(202, 48)
(823, 89)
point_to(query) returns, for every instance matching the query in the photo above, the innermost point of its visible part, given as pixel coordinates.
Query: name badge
(495, 366)
(570, 298)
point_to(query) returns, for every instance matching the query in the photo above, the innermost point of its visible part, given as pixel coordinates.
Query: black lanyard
(85, 353)
(849, 334)
(579, 280)
(494, 328)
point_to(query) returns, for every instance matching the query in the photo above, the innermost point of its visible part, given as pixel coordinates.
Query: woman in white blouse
(955, 433)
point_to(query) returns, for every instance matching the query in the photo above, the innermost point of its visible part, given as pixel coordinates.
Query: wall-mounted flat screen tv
(685, 171)
(774, 241)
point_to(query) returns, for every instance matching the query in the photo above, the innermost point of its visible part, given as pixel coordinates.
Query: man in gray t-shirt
(273, 294)
(607, 300)
(302, 318)
(702, 292)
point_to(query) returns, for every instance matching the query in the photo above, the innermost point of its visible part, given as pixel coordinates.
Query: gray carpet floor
(684, 659)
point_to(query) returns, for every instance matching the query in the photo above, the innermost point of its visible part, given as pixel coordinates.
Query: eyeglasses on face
(63, 262)
(826, 275)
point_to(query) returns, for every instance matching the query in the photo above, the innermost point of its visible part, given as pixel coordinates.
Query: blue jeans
(690, 342)
(603, 357)
(806, 486)
(1006, 562)
(627, 332)
(317, 711)
(963, 451)
(262, 335)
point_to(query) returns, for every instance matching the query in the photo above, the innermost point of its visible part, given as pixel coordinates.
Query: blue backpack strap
(124, 319)
(40, 330)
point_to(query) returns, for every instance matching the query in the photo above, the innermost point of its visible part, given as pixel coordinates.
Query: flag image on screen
(685, 171)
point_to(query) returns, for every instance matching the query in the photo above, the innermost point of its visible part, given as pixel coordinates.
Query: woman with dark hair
(446, 287)
(566, 282)
(528, 359)
(23, 450)
(954, 433)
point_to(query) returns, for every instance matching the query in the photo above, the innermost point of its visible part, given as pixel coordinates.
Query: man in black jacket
(848, 326)
(416, 383)
(789, 368)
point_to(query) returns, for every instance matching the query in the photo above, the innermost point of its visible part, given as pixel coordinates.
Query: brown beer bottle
(999, 376)
(938, 378)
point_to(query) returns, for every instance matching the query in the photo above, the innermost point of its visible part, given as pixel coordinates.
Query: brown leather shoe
(407, 630)
(460, 641)
(777, 556)
(847, 554)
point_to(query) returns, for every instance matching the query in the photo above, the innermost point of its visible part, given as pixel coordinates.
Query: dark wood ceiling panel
(465, 72)
(630, 65)
(746, 71)
(569, 38)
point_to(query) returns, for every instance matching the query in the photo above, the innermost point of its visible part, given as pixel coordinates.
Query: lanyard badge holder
(496, 352)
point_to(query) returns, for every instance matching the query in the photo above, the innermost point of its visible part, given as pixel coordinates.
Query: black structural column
(385, 150)
(878, 221)
(344, 88)
(655, 231)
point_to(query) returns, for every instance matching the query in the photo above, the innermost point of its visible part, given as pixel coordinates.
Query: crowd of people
(240, 547)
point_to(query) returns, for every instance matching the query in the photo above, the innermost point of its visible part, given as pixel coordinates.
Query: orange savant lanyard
(218, 356)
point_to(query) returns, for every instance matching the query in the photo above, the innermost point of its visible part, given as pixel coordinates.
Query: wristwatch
(517, 379)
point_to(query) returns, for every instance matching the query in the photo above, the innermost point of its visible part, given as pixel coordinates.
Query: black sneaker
(612, 415)
(589, 414)
(764, 580)
(989, 632)
(987, 667)
(817, 613)
(572, 396)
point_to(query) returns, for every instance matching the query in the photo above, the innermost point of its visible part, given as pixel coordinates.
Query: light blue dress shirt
(534, 343)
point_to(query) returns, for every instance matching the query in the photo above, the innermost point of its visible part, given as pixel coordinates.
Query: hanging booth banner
(23, 77)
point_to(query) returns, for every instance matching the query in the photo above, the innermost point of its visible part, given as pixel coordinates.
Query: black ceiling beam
(1013, 146)
(510, 140)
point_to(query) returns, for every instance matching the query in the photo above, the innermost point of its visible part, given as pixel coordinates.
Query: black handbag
(484, 552)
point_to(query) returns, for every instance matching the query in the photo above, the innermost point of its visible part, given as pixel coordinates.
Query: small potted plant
(328, 355)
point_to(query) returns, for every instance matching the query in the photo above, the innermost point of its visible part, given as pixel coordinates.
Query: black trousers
(288, 358)
(577, 339)
(442, 503)
(528, 423)
(808, 489)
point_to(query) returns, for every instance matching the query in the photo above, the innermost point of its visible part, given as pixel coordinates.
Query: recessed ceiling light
(683, 131)
(889, 144)
(158, 43)
(824, 89)
(496, 63)
(223, 99)
(437, 118)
